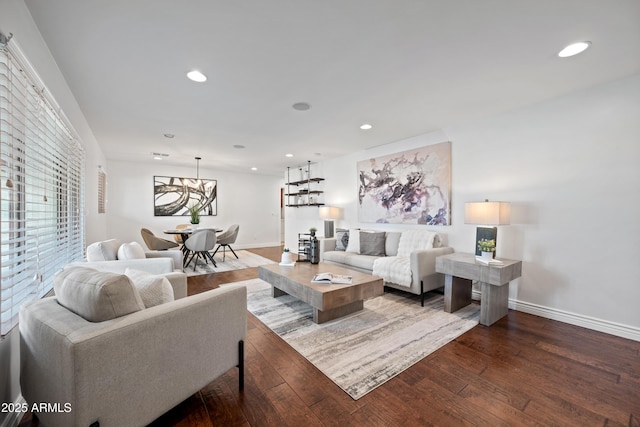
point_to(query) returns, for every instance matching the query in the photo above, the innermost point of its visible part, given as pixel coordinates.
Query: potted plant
(287, 258)
(487, 247)
(313, 230)
(194, 211)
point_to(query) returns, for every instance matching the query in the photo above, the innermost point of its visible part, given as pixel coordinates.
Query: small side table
(461, 269)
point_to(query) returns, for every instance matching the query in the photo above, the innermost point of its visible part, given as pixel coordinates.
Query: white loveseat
(115, 257)
(406, 260)
(95, 349)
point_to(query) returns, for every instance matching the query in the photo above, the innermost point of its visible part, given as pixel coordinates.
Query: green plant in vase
(487, 246)
(194, 212)
(313, 230)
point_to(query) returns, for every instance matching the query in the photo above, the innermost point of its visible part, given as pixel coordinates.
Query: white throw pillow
(96, 295)
(354, 241)
(103, 251)
(133, 250)
(154, 290)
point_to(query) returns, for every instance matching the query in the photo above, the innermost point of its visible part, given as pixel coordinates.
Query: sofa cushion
(153, 289)
(354, 241)
(103, 251)
(133, 250)
(415, 240)
(372, 243)
(342, 239)
(95, 295)
(391, 243)
(364, 262)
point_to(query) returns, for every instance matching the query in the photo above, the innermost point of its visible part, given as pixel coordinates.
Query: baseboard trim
(612, 328)
(256, 245)
(13, 418)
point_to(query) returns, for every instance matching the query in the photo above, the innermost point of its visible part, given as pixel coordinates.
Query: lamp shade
(487, 213)
(329, 212)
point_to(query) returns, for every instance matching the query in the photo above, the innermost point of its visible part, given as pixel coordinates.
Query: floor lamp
(329, 214)
(487, 215)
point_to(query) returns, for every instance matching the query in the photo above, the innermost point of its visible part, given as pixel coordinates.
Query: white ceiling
(406, 66)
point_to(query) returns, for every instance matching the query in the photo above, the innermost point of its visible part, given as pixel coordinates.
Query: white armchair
(131, 369)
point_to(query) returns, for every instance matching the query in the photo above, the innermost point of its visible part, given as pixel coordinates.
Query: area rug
(245, 259)
(363, 350)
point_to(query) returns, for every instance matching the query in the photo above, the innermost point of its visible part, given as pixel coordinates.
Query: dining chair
(155, 243)
(178, 237)
(226, 239)
(199, 244)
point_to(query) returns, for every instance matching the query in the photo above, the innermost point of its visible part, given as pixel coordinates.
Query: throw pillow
(95, 295)
(372, 243)
(153, 289)
(342, 239)
(103, 251)
(354, 241)
(133, 250)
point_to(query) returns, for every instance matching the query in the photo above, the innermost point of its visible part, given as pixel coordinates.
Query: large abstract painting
(411, 187)
(173, 195)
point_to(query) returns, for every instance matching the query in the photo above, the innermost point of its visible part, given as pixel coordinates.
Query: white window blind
(41, 187)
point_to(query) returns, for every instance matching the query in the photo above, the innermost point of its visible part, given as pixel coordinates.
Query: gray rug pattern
(363, 350)
(245, 259)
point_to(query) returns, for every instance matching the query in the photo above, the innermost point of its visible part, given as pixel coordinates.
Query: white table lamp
(329, 214)
(487, 215)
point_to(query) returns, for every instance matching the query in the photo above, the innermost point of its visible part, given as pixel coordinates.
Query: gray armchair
(226, 239)
(131, 369)
(199, 244)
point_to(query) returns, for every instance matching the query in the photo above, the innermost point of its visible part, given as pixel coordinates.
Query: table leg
(321, 316)
(457, 293)
(494, 303)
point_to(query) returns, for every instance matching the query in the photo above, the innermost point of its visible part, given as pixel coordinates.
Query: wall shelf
(303, 195)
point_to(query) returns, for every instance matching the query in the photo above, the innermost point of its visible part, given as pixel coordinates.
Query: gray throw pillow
(96, 295)
(342, 239)
(372, 243)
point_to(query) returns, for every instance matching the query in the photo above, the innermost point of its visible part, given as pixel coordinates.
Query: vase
(194, 226)
(287, 258)
(487, 255)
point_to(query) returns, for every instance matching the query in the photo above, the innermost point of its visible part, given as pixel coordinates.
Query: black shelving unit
(304, 247)
(301, 191)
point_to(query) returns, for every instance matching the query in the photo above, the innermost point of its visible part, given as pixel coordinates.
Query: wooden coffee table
(329, 301)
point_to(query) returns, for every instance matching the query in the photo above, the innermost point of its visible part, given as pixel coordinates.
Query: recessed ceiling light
(574, 49)
(197, 76)
(365, 126)
(238, 146)
(254, 168)
(157, 158)
(288, 155)
(301, 106)
(169, 135)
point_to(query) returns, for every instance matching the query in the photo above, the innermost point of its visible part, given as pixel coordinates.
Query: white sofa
(418, 250)
(114, 257)
(131, 368)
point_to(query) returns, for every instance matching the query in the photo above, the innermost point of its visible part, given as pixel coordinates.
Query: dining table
(186, 232)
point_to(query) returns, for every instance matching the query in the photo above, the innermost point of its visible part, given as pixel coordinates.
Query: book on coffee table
(340, 279)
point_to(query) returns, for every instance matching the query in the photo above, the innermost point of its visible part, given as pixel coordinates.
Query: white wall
(250, 200)
(570, 168)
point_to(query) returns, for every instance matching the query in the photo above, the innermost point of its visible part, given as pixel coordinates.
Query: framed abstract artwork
(410, 187)
(172, 196)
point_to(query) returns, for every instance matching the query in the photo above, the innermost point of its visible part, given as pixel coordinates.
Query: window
(41, 187)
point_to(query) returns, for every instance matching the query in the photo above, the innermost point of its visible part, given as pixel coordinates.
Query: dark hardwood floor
(523, 370)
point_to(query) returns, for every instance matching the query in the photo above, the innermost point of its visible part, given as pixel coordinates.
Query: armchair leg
(421, 294)
(241, 365)
(234, 252)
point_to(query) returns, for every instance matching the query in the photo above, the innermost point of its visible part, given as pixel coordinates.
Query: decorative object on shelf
(329, 214)
(487, 248)
(410, 187)
(487, 215)
(194, 211)
(312, 231)
(287, 258)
